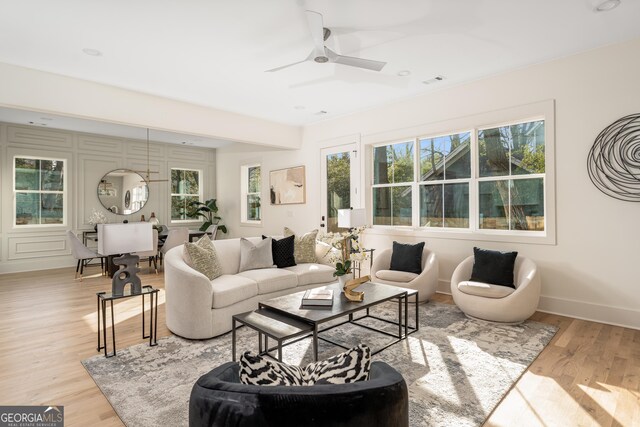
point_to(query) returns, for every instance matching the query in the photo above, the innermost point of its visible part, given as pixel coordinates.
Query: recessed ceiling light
(299, 107)
(37, 124)
(92, 52)
(46, 118)
(404, 73)
(321, 113)
(607, 5)
(435, 79)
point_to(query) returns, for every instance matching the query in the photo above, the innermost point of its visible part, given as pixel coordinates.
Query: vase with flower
(347, 249)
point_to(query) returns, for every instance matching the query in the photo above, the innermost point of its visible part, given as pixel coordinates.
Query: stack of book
(318, 297)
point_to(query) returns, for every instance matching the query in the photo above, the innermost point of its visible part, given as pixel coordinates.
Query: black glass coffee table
(290, 307)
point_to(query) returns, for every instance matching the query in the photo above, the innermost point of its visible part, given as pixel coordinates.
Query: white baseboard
(616, 316)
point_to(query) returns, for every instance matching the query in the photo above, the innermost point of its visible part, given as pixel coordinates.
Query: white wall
(591, 271)
(89, 157)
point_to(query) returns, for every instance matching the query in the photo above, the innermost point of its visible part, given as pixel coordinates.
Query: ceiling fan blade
(316, 27)
(286, 66)
(352, 61)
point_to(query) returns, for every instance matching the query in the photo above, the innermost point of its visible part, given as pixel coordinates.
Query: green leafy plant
(207, 210)
(342, 268)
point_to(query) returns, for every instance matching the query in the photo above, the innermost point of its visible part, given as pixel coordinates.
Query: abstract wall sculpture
(614, 159)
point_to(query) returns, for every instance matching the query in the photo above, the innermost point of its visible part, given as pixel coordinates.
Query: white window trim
(64, 192)
(244, 186)
(544, 110)
(171, 195)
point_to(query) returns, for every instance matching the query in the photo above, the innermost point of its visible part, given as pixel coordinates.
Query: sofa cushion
(254, 256)
(305, 246)
(282, 251)
(493, 267)
(485, 289)
(202, 256)
(271, 279)
(231, 288)
(396, 276)
(407, 257)
(309, 274)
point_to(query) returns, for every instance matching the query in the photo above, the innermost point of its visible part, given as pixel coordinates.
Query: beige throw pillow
(255, 256)
(202, 256)
(304, 247)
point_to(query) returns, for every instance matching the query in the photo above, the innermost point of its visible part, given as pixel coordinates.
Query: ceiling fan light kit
(322, 54)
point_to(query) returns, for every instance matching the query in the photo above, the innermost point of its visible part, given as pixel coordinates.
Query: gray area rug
(457, 369)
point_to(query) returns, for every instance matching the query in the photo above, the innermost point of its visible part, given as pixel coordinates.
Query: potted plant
(207, 210)
(348, 249)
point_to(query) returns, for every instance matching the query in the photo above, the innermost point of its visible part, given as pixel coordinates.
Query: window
(251, 181)
(393, 167)
(39, 191)
(185, 188)
(487, 178)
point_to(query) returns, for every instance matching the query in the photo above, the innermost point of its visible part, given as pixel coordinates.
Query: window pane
(51, 172)
(527, 204)
(431, 205)
(338, 187)
(51, 209)
(493, 205)
(527, 148)
(176, 177)
(190, 182)
(393, 163)
(253, 207)
(493, 151)
(27, 174)
(27, 208)
(254, 180)
(456, 205)
(445, 157)
(401, 202)
(382, 206)
(179, 206)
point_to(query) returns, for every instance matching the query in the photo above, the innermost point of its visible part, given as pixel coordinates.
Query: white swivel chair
(176, 237)
(425, 283)
(151, 255)
(83, 254)
(497, 303)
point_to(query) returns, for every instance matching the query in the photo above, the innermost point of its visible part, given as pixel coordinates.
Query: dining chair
(176, 237)
(151, 255)
(212, 231)
(82, 253)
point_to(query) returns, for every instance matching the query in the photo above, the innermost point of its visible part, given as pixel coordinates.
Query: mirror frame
(127, 196)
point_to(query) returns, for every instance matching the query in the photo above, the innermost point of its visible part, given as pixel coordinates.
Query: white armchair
(425, 283)
(497, 303)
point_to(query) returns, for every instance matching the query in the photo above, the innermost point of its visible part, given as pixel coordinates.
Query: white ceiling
(214, 53)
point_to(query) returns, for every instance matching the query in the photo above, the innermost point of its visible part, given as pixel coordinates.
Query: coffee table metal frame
(402, 296)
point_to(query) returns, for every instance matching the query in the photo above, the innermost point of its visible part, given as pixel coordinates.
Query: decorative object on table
(318, 297)
(207, 210)
(287, 186)
(348, 249)
(478, 362)
(349, 287)
(96, 218)
(614, 160)
(117, 239)
(497, 303)
(153, 220)
(129, 194)
(142, 218)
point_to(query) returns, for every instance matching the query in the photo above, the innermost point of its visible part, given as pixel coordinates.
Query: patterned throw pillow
(348, 367)
(202, 256)
(304, 246)
(282, 251)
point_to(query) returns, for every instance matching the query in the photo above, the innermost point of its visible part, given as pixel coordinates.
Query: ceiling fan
(147, 174)
(322, 54)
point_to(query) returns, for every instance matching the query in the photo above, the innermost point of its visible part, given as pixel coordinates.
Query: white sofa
(199, 308)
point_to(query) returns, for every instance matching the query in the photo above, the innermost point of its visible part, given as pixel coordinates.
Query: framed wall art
(287, 186)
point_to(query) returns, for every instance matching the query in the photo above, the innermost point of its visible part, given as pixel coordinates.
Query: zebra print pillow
(351, 366)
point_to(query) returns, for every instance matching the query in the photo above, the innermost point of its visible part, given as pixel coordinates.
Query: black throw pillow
(493, 267)
(407, 257)
(282, 251)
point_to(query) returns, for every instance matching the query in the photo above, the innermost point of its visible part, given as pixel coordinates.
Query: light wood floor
(588, 375)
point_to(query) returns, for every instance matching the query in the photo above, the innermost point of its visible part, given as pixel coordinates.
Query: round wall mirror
(123, 191)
